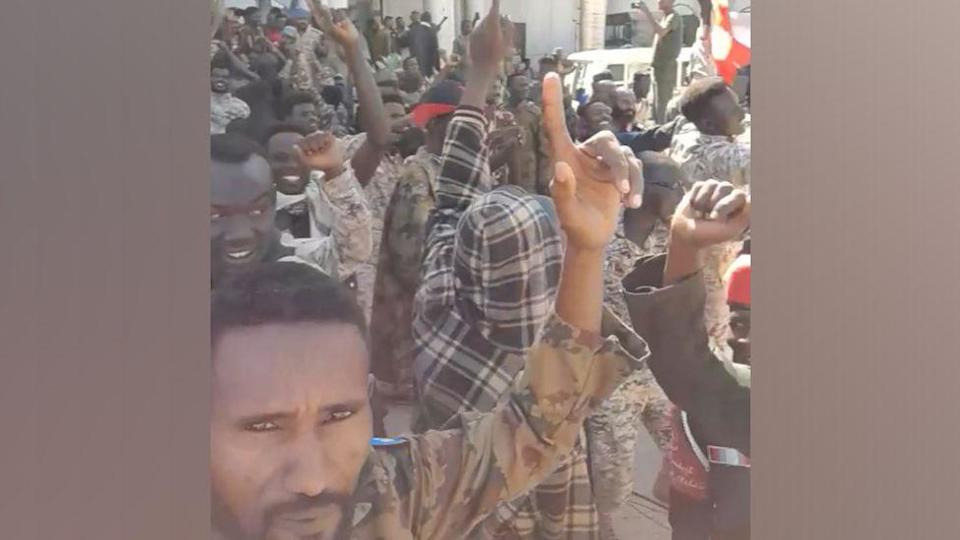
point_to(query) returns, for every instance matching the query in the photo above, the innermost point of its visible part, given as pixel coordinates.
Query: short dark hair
(426, 17)
(387, 18)
(407, 60)
(513, 76)
(220, 60)
(695, 101)
(281, 293)
(234, 148)
(284, 127)
(582, 109)
(603, 76)
(289, 102)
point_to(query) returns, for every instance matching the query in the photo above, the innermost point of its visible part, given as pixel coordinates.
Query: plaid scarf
(491, 269)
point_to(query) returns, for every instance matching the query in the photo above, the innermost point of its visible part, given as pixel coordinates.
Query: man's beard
(228, 527)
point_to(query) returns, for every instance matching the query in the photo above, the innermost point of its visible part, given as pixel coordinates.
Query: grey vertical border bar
(855, 243)
(104, 317)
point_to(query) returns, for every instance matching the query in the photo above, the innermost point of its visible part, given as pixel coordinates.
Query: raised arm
(658, 28)
(465, 166)
(462, 474)
(373, 120)
(666, 296)
(352, 236)
(236, 64)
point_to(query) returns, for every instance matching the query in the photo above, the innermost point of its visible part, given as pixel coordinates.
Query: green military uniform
(612, 430)
(398, 270)
(532, 159)
(441, 484)
(666, 50)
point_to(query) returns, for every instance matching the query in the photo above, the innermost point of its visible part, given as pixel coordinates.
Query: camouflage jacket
(398, 268)
(440, 484)
(532, 158)
(706, 157)
(225, 108)
(306, 72)
(339, 223)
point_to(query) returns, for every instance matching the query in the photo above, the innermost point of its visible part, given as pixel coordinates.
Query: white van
(622, 63)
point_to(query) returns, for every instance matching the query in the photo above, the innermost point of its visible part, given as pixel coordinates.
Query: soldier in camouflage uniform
(379, 191)
(243, 229)
(369, 153)
(612, 430)
(531, 163)
(401, 248)
(290, 448)
(708, 148)
(311, 202)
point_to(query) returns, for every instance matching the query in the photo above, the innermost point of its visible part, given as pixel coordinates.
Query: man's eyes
(262, 427)
(267, 426)
(339, 416)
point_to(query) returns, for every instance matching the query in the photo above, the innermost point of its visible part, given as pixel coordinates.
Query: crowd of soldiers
(539, 276)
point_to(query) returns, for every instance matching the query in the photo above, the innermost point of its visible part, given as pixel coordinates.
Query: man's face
(545, 68)
(415, 17)
(302, 25)
(740, 328)
(289, 431)
(466, 27)
(389, 24)
(626, 106)
(398, 120)
(604, 91)
(401, 25)
(220, 80)
(305, 115)
(727, 113)
(289, 176)
(599, 118)
(412, 66)
(665, 6)
(519, 89)
(241, 214)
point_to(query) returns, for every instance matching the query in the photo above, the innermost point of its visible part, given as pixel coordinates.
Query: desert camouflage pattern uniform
(441, 484)
(377, 193)
(532, 157)
(400, 258)
(706, 157)
(339, 226)
(225, 108)
(612, 429)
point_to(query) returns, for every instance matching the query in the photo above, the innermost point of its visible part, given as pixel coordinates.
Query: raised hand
(336, 25)
(491, 40)
(321, 151)
(591, 178)
(601, 158)
(712, 212)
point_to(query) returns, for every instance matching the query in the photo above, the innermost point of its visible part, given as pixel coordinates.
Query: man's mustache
(304, 504)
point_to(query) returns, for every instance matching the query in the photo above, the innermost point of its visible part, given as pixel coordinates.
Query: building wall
(549, 23)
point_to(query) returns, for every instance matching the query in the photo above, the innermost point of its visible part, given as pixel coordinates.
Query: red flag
(728, 53)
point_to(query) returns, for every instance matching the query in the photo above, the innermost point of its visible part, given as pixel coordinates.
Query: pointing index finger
(553, 115)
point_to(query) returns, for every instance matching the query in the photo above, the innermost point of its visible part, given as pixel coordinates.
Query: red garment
(274, 35)
(738, 281)
(688, 476)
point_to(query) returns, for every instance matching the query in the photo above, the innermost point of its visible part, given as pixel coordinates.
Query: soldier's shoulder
(394, 463)
(532, 107)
